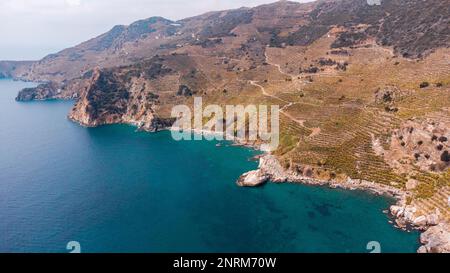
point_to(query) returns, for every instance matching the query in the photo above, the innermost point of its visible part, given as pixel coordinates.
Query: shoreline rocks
(252, 179)
(436, 234)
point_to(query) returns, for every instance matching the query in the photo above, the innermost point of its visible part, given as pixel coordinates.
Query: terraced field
(341, 108)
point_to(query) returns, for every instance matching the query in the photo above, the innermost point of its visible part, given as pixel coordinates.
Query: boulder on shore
(252, 179)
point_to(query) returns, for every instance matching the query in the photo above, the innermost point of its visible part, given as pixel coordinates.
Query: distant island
(364, 91)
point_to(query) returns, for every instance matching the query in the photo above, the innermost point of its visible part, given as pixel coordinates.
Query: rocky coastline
(435, 237)
(50, 90)
(43, 91)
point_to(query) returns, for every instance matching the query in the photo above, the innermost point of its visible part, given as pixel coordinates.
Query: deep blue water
(117, 190)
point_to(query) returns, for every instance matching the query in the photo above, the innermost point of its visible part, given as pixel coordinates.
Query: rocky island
(364, 91)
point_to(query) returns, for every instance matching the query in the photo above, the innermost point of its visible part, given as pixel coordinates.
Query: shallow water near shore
(113, 189)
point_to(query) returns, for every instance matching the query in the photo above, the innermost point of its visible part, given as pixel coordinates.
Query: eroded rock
(252, 179)
(435, 240)
(43, 91)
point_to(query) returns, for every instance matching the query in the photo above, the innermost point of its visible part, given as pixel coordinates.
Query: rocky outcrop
(270, 167)
(52, 90)
(423, 143)
(43, 91)
(253, 179)
(103, 102)
(158, 124)
(435, 240)
(406, 215)
(121, 96)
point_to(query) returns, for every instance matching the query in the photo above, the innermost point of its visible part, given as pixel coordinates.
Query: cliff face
(104, 101)
(125, 95)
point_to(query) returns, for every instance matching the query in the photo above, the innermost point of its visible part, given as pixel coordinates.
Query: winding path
(315, 131)
(263, 90)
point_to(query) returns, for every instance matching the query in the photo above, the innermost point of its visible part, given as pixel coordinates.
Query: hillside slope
(411, 27)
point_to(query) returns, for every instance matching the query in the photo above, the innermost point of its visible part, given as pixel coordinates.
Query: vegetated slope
(364, 90)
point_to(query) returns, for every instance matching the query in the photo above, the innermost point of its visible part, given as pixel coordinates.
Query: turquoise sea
(113, 189)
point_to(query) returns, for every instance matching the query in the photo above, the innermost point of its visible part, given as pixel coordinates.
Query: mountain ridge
(124, 45)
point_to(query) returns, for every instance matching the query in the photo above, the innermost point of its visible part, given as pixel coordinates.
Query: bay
(113, 189)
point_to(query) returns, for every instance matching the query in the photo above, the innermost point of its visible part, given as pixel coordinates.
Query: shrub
(445, 157)
(183, 90)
